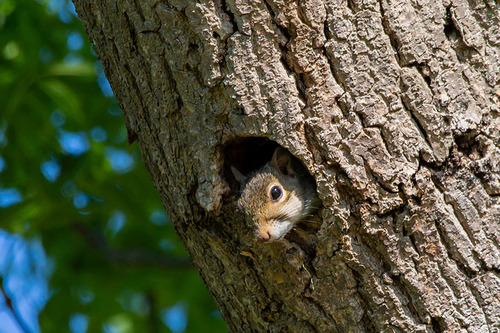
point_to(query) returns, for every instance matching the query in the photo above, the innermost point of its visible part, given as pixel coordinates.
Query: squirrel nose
(265, 236)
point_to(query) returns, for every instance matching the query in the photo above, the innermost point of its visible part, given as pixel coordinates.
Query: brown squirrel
(277, 196)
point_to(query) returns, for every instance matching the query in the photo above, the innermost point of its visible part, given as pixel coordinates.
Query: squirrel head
(275, 197)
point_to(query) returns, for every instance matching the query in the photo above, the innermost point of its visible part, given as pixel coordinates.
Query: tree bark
(393, 107)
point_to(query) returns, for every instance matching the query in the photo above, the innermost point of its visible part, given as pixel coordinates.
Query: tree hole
(246, 154)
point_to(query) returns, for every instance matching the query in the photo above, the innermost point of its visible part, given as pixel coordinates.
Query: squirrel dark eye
(276, 192)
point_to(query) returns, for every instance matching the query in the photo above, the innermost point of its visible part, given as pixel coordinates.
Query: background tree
(85, 216)
(393, 107)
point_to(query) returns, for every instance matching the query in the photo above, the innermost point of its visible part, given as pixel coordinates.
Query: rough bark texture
(393, 106)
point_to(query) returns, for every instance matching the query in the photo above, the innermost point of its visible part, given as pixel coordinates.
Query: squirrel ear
(282, 161)
(241, 178)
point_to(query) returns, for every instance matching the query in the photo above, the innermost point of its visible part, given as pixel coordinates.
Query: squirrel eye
(276, 192)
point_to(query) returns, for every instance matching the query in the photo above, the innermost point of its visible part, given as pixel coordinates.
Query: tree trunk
(393, 107)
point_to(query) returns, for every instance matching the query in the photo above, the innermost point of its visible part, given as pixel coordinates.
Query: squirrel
(277, 196)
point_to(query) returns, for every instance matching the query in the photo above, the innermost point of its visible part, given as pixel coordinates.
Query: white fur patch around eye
(292, 209)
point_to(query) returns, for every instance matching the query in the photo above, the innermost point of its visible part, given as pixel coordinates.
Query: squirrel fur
(277, 196)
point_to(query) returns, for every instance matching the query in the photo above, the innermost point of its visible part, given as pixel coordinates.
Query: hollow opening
(278, 218)
(246, 154)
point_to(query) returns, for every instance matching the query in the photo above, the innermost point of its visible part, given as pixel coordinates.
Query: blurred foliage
(117, 264)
